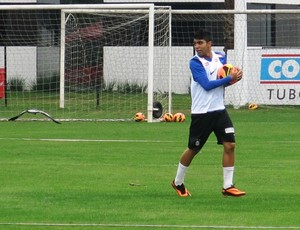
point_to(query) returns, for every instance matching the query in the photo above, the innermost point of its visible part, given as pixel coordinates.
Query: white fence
(271, 76)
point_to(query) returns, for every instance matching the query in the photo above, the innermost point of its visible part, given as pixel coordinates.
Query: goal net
(109, 62)
(263, 43)
(99, 62)
(115, 64)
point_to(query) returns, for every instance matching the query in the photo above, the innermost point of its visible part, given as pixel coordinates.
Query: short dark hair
(202, 34)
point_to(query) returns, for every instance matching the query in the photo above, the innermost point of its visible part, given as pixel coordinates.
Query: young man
(208, 114)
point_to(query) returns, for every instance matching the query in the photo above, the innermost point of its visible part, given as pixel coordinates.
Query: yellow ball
(252, 106)
(179, 117)
(168, 117)
(139, 117)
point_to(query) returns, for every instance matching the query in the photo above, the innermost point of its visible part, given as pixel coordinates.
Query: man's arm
(200, 76)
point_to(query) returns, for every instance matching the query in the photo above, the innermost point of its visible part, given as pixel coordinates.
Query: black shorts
(202, 125)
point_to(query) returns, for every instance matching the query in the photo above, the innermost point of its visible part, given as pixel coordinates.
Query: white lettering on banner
(289, 69)
(280, 69)
(272, 69)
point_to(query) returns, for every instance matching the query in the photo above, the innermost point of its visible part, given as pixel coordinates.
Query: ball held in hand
(225, 71)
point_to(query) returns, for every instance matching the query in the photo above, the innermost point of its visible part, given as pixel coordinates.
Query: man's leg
(228, 164)
(185, 161)
(178, 183)
(228, 170)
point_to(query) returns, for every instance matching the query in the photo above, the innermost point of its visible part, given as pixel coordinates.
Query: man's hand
(236, 74)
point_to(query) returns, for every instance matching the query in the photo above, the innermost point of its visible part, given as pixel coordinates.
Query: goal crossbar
(207, 12)
(76, 6)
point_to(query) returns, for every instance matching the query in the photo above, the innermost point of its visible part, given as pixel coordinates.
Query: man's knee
(229, 146)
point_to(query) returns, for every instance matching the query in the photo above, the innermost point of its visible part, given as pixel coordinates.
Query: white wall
(124, 63)
(48, 60)
(17, 1)
(275, 82)
(289, 2)
(129, 64)
(21, 63)
(1, 57)
(49, 1)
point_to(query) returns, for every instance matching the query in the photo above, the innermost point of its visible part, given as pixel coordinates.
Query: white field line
(151, 226)
(83, 140)
(109, 140)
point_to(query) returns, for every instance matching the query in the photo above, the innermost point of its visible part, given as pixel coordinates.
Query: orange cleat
(181, 190)
(232, 191)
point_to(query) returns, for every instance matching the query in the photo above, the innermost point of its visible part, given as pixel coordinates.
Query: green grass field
(117, 175)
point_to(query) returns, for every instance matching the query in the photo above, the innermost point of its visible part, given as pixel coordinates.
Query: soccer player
(208, 114)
